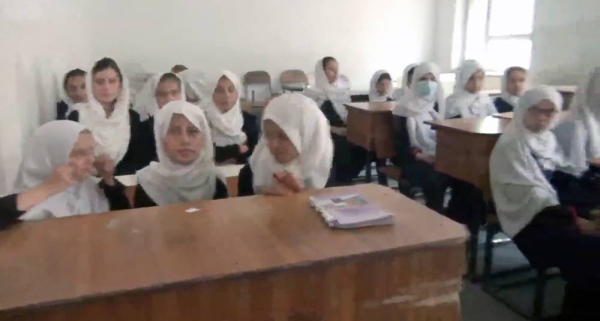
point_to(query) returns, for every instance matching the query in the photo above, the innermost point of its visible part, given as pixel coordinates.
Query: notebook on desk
(350, 211)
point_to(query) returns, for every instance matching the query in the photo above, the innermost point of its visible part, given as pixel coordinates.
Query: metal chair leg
(540, 292)
(490, 231)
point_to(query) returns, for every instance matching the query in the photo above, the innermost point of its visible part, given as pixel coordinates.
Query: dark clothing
(61, 110)
(332, 116)
(582, 194)
(251, 129)
(502, 106)
(142, 199)
(9, 213)
(246, 181)
(131, 162)
(147, 150)
(552, 239)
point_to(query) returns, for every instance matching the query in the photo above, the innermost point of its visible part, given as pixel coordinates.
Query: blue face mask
(427, 88)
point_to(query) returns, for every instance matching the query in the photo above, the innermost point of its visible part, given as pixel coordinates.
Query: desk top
(373, 106)
(506, 115)
(484, 125)
(68, 259)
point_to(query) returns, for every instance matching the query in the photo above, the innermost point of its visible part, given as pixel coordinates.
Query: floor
(478, 306)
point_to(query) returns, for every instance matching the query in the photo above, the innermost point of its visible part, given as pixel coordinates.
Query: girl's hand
(290, 181)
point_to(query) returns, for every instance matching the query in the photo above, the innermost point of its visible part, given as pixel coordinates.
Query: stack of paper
(350, 211)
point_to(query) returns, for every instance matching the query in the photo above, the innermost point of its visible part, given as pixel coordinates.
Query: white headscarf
(194, 82)
(399, 92)
(586, 111)
(463, 103)
(419, 109)
(226, 127)
(337, 92)
(505, 95)
(169, 183)
(373, 93)
(112, 134)
(145, 101)
(307, 128)
(49, 148)
(519, 186)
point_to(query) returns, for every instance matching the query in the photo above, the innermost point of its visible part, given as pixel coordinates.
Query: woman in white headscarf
(294, 153)
(418, 105)
(194, 82)
(73, 92)
(380, 88)
(528, 172)
(467, 100)
(115, 127)
(579, 132)
(185, 171)
(158, 91)
(332, 92)
(513, 86)
(407, 77)
(234, 132)
(60, 157)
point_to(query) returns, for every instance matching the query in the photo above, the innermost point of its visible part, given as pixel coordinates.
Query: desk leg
(368, 167)
(475, 213)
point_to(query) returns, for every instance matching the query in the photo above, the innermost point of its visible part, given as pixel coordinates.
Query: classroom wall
(565, 41)
(271, 35)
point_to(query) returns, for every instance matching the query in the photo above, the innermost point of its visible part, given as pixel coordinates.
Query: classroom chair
(543, 274)
(258, 87)
(293, 80)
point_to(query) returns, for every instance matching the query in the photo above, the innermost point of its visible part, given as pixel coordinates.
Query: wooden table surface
(370, 126)
(483, 125)
(506, 115)
(373, 106)
(162, 263)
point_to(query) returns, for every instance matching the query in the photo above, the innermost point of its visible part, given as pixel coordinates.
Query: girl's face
(428, 76)
(515, 83)
(76, 89)
(280, 146)
(539, 117)
(81, 158)
(106, 86)
(383, 86)
(475, 83)
(183, 142)
(225, 95)
(331, 71)
(167, 91)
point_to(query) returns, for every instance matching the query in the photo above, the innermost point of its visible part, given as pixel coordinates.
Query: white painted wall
(565, 40)
(41, 39)
(271, 35)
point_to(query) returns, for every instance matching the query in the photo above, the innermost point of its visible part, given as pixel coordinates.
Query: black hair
(384, 76)
(178, 68)
(326, 60)
(170, 76)
(514, 68)
(73, 73)
(107, 63)
(410, 74)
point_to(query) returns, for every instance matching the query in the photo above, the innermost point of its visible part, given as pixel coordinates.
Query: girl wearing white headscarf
(418, 105)
(69, 145)
(407, 77)
(525, 167)
(294, 153)
(513, 86)
(234, 132)
(185, 171)
(380, 88)
(73, 92)
(156, 92)
(115, 127)
(467, 100)
(331, 91)
(194, 82)
(579, 132)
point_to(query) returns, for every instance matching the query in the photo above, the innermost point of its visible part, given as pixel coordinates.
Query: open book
(350, 211)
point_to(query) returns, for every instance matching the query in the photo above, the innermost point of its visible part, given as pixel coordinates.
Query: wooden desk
(463, 152)
(508, 115)
(250, 258)
(370, 126)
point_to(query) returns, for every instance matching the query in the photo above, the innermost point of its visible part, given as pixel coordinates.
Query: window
(498, 32)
